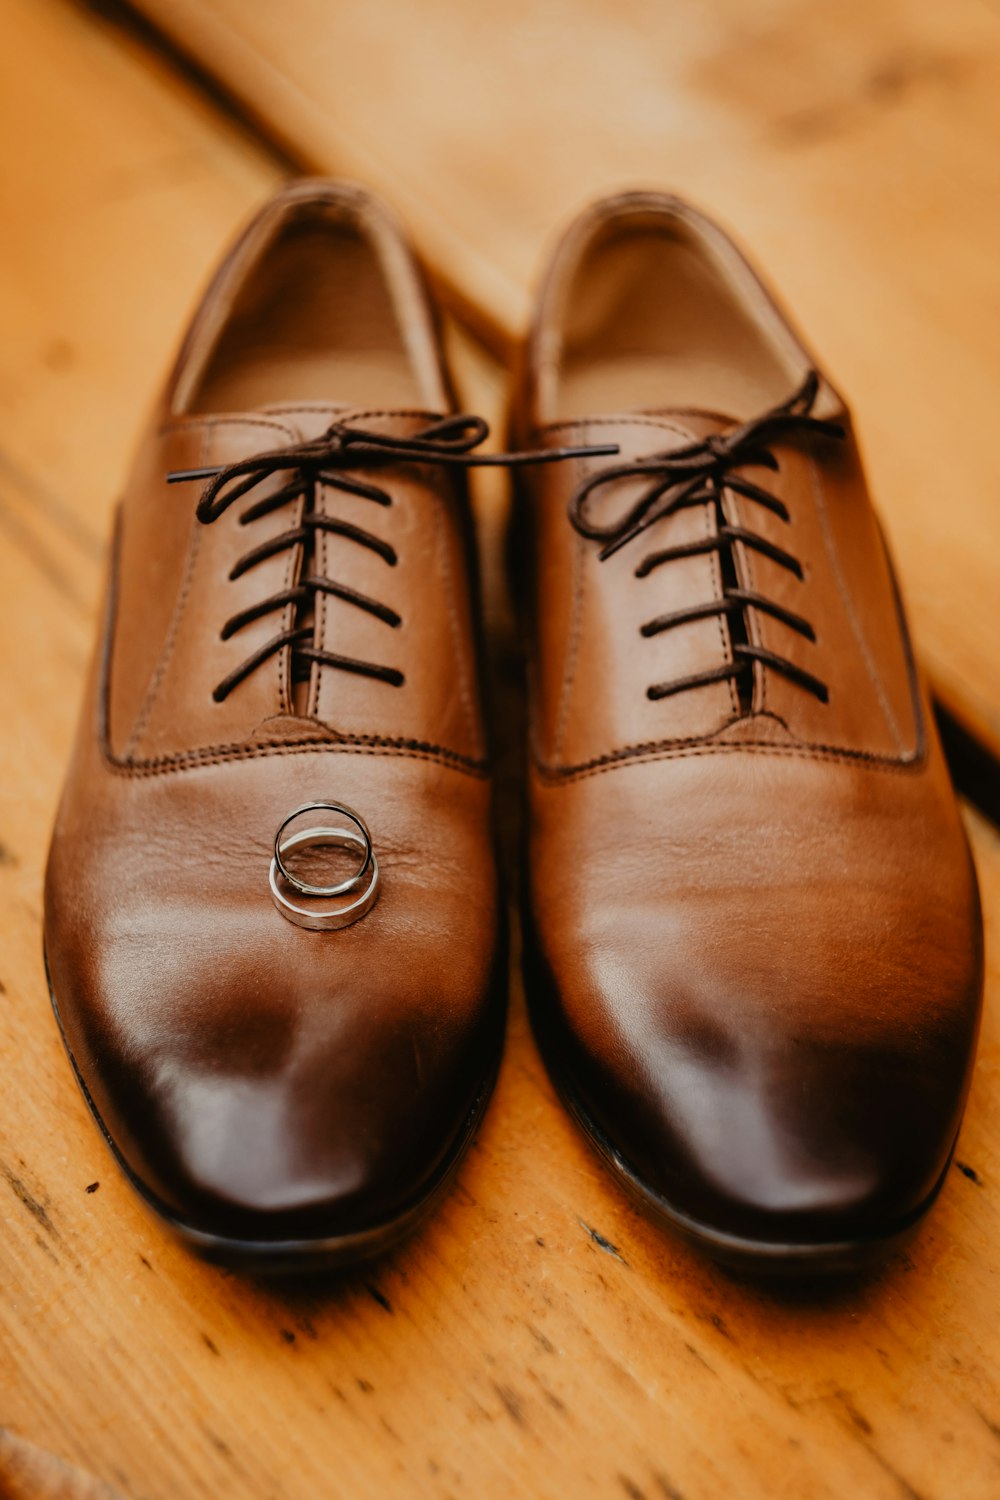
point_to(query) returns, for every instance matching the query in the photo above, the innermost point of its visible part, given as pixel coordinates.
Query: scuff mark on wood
(860, 1421)
(602, 1242)
(541, 1338)
(696, 1354)
(379, 1297)
(511, 1403)
(720, 1325)
(630, 1487)
(27, 1199)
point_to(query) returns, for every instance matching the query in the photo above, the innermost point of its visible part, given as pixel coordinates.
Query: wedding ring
(363, 841)
(355, 838)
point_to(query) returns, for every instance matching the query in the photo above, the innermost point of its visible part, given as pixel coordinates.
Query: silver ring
(344, 887)
(339, 916)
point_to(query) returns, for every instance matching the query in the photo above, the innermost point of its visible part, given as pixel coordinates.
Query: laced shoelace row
(449, 442)
(695, 475)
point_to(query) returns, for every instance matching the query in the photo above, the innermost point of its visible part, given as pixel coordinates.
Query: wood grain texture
(854, 147)
(30, 1473)
(538, 1338)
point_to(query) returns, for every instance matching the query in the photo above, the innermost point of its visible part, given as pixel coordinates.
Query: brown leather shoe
(754, 937)
(290, 623)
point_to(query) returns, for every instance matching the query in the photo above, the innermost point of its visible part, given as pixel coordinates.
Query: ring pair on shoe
(273, 923)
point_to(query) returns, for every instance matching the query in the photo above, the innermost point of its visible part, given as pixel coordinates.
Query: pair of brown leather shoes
(273, 921)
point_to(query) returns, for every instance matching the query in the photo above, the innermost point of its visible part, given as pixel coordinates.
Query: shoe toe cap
(761, 1089)
(267, 1098)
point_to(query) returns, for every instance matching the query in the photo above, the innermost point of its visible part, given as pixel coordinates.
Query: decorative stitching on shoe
(360, 745)
(679, 749)
(461, 664)
(573, 640)
(160, 672)
(816, 483)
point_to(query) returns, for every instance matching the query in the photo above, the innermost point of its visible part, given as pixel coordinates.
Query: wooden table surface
(538, 1338)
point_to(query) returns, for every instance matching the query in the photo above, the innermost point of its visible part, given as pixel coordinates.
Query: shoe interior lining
(319, 316)
(655, 316)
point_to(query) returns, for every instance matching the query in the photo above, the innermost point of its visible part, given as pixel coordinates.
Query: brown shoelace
(697, 474)
(449, 442)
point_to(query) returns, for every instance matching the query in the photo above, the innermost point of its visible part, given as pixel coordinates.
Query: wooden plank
(854, 148)
(539, 1338)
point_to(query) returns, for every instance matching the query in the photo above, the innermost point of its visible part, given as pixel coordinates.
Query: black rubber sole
(318, 1252)
(755, 1258)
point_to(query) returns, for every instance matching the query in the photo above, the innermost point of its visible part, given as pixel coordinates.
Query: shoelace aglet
(551, 455)
(181, 476)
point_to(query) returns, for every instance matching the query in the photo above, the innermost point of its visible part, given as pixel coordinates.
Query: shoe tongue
(700, 424)
(224, 438)
(640, 433)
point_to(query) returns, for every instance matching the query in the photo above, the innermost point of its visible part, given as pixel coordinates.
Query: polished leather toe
(255, 1082)
(751, 1126)
(783, 1055)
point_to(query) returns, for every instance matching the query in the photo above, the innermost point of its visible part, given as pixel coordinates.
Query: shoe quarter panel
(847, 595)
(175, 595)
